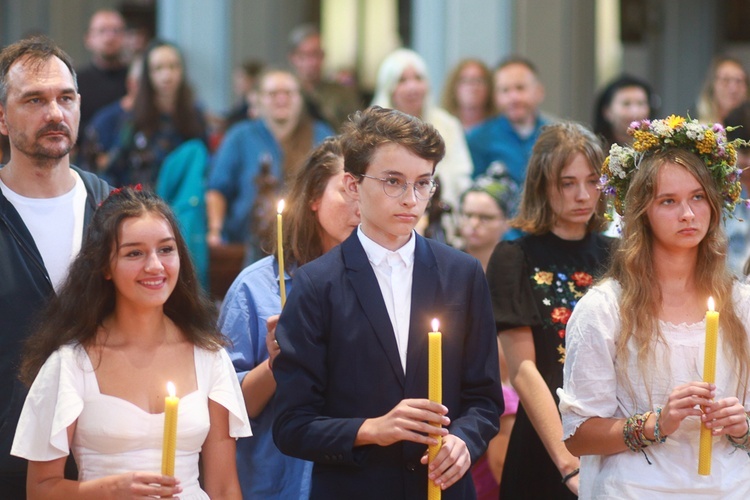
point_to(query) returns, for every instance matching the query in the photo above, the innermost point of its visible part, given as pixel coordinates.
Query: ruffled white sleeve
(225, 390)
(589, 378)
(54, 402)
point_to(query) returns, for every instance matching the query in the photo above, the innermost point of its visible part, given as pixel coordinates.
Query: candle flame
(280, 206)
(711, 304)
(171, 389)
(435, 325)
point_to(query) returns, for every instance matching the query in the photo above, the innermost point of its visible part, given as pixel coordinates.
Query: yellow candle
(280, 251)
(709, 375)
(171, 404)
(435, 390)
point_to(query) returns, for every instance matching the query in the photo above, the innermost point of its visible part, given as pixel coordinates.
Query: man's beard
(41, 153)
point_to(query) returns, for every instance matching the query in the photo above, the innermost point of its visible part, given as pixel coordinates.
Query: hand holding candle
(435, 391)
(709, 375)
(280, 251)
(169, 447)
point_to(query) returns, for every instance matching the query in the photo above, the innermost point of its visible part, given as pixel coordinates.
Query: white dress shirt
(394, 273)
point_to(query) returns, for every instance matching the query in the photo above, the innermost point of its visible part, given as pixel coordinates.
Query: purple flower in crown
(718, 128)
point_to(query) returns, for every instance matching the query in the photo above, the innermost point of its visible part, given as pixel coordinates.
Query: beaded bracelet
(742, 443)
(658, 438)
(632, 432)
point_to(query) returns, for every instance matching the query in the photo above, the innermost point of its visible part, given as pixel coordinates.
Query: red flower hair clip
(138, 187)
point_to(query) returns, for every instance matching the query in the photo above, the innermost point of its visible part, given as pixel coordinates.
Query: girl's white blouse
(593, 388)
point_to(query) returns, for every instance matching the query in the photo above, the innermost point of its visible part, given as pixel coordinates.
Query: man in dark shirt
(103, 81)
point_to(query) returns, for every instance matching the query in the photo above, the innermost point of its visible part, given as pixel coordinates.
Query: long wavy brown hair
(146, 114)
(301, 228)
(633, 267)
(87, 297)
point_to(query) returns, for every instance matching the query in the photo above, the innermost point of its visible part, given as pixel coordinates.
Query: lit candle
(435, 390)
(709, 375)
(171, 404)
(280, 251)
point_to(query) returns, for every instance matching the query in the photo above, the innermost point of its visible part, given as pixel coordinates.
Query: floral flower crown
(708, 142)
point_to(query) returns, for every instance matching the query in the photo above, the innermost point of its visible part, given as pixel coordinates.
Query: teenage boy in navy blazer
(352, 372)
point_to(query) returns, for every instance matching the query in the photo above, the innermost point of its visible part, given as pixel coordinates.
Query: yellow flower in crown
(674, 121)
(708, 142)
(644, 141)
(732, 152)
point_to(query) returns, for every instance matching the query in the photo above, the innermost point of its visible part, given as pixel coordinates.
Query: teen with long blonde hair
(633, 398)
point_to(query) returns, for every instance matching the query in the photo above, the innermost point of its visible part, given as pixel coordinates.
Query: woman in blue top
(319, 216)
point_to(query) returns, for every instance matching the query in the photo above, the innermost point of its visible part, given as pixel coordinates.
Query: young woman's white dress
(592, 388)
(113, 435)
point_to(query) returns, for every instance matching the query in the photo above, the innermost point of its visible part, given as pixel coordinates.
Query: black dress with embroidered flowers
(536, 281)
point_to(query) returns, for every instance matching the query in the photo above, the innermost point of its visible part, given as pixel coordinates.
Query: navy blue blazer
(339, 365)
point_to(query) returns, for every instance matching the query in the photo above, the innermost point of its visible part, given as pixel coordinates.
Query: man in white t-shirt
(45, 204)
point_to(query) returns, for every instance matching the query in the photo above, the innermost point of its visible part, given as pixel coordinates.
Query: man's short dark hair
(367, 130)
(300, 34)
(516, 59)
(37, 50)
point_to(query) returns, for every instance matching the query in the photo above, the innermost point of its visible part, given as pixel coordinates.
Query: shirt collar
(377, 254)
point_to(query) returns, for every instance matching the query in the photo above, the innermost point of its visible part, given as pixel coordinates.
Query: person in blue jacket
(319, 215)
(275, 143)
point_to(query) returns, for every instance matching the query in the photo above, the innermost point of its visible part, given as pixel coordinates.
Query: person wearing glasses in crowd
(486, 209)
(352, 372)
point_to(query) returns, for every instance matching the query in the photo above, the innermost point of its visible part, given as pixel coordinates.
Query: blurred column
(201, 31)
(446, 31)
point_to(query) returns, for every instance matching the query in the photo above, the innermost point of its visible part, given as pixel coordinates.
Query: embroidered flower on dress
(543, 278)
(561, 292)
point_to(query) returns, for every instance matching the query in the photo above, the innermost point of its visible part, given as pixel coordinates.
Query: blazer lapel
(366, 287)
(424, 290)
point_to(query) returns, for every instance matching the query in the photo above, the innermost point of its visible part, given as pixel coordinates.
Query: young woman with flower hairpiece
(633, 397)
(129, 318)
(535, 282)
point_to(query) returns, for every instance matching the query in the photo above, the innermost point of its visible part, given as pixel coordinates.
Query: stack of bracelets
(742, 443)
(633, 434)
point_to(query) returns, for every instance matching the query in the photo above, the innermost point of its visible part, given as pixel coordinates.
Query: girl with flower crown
(633, 398)
(535, 283)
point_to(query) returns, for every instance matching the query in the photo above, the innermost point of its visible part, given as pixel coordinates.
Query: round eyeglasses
(395, 187)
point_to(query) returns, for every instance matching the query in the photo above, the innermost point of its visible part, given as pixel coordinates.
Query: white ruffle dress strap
(54, 402)
(224, 388)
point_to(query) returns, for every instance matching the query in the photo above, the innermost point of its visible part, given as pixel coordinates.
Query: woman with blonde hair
(535, 283)
(633, 399)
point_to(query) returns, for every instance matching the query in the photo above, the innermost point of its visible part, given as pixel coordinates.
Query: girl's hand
(726, 416)
(683, 402)
(144, 484)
